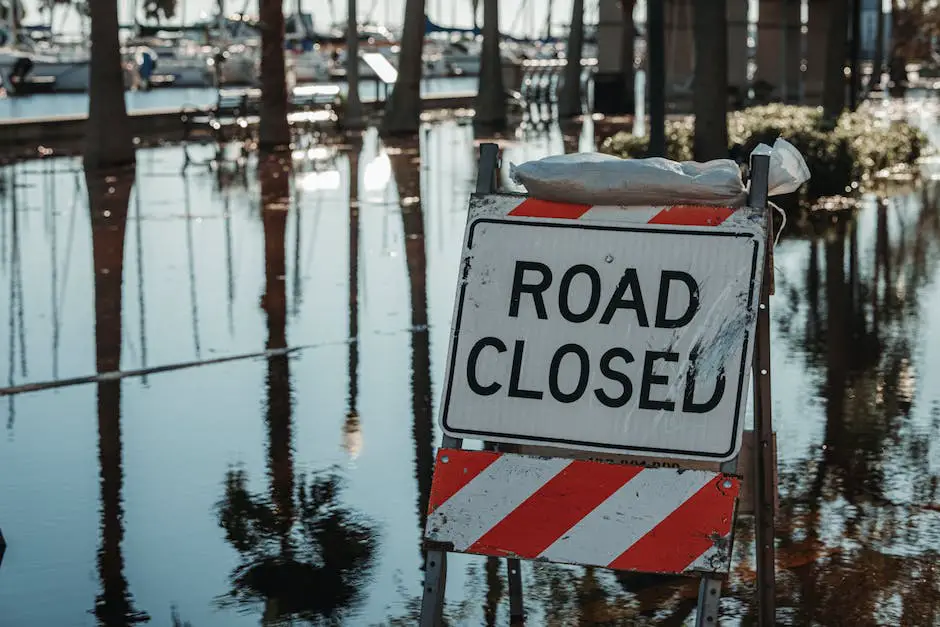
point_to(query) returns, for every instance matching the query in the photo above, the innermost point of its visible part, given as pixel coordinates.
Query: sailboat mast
(548, 20)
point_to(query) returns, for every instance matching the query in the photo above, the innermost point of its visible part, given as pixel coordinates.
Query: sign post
(610, 340)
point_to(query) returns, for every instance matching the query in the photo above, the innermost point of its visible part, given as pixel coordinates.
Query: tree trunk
(656, 77)
(274, 133)
(627, 54)
(878, 58)
(403, 113)
(108, 139)
(834, 81)
(491, 96)
(710, 93)
(569, 101)
(855, 55)
(352, 115)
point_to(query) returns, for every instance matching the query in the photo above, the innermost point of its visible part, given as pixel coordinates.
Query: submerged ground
(292, 484)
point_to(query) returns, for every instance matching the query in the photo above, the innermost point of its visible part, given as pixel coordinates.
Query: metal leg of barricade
(435, 563)
(764, 488)
(709, 595)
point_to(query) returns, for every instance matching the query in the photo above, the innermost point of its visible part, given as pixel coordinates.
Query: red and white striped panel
(653, 520)
(516, 206)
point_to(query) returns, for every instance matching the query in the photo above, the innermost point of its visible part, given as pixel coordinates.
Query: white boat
(170, 62)
(28, 66)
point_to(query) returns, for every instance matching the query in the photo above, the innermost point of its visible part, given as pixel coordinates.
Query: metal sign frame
(761, 476)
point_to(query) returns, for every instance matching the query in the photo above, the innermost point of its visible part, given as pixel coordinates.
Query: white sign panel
(604, 335)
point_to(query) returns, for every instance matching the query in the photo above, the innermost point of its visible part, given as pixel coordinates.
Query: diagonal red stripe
(460, 469)
(676, 542)
(692, 215)
(554, 509)
(535, 208)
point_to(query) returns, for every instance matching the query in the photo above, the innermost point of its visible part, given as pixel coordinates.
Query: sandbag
(600, 179)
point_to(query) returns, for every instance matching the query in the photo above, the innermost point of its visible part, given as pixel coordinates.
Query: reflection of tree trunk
(407, 179)
(494, 591)
(114, 606)
(814, 322)
(836, 345)
(108, 140)
(275, 188)
(403, 113)
(491, 96)
(710, 96)
(351, 430)
(273, 133)
(883, 255)
(569, 101)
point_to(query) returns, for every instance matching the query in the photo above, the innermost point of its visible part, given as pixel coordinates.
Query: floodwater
(284, 480)
(53, 105)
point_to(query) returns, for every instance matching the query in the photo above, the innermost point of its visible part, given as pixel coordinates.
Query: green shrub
(841, 157)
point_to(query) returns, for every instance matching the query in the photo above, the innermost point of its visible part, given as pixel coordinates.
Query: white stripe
(626, 516)
(489, 497)
(632, 215)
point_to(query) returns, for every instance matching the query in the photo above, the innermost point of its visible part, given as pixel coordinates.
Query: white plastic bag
(599, 179)
(788, 170)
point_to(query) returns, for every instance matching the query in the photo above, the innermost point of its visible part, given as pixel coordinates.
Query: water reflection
(352, 430)
(852, 502)
(855, 349)
(302, 555)
(405, 159)
(108, 200)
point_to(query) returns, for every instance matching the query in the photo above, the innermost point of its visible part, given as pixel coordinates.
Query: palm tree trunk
(403, 113)
(656, 77)
(491, 96)
(274, 133)
(834, 81)
(108, 139)
(569, 101)
(627, 53)
(710, 95)
(352, 116)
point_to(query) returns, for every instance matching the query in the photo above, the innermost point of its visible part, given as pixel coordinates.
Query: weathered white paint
(490, 497)
(629, 514)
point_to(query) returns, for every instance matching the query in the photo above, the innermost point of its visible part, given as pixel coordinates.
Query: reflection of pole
(352, 435)
(190, 258)
(230, 283)
(494, 591)
(140, 282)
(108, 208)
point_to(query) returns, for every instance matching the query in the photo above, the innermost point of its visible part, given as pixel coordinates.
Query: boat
(30, 65)
(169, 59)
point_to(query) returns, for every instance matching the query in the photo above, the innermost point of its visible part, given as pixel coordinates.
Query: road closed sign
(604, 329)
